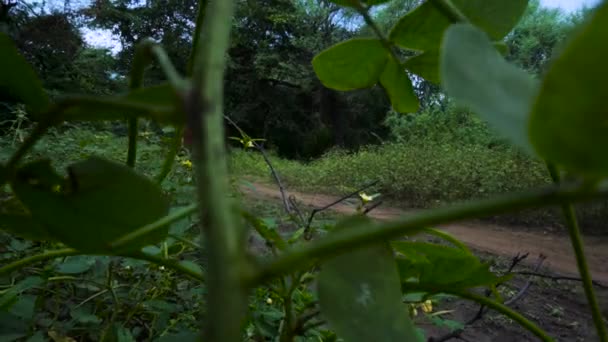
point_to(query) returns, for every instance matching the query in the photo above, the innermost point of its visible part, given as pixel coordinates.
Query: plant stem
(200, 17)
(159, 224)
(140, 61)
(176, 144)
(505, 310)
(450, 11)
(227, 295)
(359, 236)
(581, 262)
(171, 264)
(21, 263)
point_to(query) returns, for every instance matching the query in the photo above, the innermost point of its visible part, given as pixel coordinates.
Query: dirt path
(505, 241)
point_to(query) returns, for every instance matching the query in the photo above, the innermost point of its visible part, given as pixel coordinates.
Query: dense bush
(423, 174)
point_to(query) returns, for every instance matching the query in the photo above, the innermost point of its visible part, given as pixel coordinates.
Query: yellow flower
(427, 306)
(187, 163)
(365, 198)
(268, 300)
(57, 188)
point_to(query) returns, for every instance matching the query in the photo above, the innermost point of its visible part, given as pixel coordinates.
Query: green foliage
(360, 296)
(100, 202)
(423, 28)
(497, 91)
(19, 81)
(398, 86)
(353, 64)
(565, 125)
(435, 267)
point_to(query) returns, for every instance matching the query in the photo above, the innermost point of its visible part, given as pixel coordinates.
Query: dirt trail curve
(490, 238)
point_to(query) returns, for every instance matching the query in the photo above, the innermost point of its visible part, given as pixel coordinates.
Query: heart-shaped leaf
(18, 80)
(476, 75)
(352, 64)
(360, 296)
(569, 121)
(398, 86)
(102, 202)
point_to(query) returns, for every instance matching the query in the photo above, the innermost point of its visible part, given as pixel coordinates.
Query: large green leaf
(476, 75)
(352, 3)
(426, 64)
(103, 201)
(18, 80)
(422, 28)
(569, 121)
(398, 86)
(360, 296)
(24, 226)
(435, 266)
(352, 64)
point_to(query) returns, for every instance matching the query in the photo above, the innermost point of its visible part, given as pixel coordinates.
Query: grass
(423, 176)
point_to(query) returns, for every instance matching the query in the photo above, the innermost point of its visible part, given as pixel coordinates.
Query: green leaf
(422, 28)
(18, 80)
(352, 64)
(475, 75)
(103, 202)
(24, 308)
(81, 315)
(157, 102)
(569, 121)
(9, 297)
(76, 265)
(360, 297)
(436, 266)
(24, 226)
(426, 64)
(398, 86)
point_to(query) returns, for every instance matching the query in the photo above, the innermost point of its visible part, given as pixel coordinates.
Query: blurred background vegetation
(320, 139)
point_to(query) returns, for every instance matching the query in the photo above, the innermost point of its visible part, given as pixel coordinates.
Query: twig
(294, 206)
(274, 173)
(318, 210)
(522, 291)
(372, 207)
(558, 277)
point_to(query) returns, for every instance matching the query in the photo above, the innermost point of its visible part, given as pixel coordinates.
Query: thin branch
(274, 173)
(372, 207)
(341, 199)
(522, 291)
(559, 277)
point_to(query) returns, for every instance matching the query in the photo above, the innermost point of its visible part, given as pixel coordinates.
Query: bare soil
(559, 307)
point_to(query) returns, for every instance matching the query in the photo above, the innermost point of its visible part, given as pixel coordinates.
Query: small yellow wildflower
(427, 306)
(365, 198)
(57, 188)
(269, 301)
(249, 144)
(187, 163)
